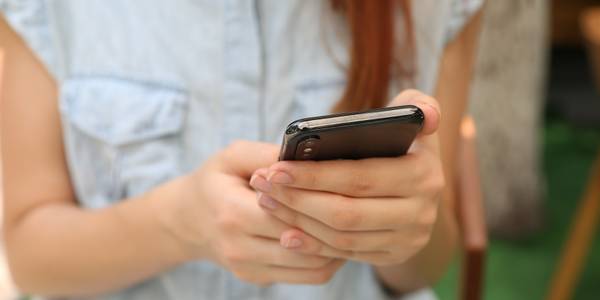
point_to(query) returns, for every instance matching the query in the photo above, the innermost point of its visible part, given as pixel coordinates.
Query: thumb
(428, 105)
(242, 158)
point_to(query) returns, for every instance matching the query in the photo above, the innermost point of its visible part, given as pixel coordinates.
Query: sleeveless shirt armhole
(31, 20)
(460, 13)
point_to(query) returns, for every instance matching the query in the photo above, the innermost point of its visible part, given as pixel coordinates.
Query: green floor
(522, 270)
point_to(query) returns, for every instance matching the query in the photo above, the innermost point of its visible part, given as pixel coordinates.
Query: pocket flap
(121, 111)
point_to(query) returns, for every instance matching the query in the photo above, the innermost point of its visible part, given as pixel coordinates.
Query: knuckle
(395, 261)
(417, 169)
(343, 241)
(319, 262)
(395, 258)
(233, 257)
(432, 180)
(424, 241)
(423, 166)
(387, 243)
(228, 221)
(314, 247)
(438, 180)
(292, 218)
(420, 241)
(427, 219)
(381, 259)
(323, 276)
(360, 184)
(290, 199)
(413, 159)
(312, 178)
(379, 262)
(345, 215)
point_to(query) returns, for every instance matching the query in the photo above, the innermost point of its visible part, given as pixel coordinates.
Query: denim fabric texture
(149, 89)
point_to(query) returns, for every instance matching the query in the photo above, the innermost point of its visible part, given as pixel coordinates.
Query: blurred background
(536, 102)
(536, 105)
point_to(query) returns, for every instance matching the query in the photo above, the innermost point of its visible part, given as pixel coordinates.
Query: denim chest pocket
(122, 137)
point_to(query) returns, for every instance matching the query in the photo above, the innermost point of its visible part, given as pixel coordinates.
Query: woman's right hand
(216, 217)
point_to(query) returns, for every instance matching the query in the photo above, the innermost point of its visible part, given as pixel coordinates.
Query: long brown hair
(374, 60)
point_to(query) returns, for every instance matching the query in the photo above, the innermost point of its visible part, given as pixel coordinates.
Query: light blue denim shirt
(149, 89)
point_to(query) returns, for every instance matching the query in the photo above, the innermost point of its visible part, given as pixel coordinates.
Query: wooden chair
(470, 215)
(579, 241)
(587, 217)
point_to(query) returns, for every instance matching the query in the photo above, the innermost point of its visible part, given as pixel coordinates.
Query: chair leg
(585, 223)
(471, 216)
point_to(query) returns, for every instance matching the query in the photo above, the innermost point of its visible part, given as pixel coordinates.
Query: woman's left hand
(377, 210)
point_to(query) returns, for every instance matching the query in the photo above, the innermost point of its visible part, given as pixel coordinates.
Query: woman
(123, 180)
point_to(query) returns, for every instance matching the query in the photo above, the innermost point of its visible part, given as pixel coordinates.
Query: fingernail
(291, 243)
(267, 202)
(260, 183)
(280, 177)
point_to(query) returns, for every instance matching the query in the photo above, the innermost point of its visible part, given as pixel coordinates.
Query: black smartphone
(384, 132)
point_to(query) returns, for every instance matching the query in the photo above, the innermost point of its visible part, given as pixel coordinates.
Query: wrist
(175, 219)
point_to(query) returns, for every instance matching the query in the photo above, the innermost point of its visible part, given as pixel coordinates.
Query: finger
(372, 177)
(262, 172)
(256, 183)
(341, 212)
(308, 244)
(379, 258)
(263, 226)
(305, 276)
(428, 105)
(270, 252)
(344, 243)
(373, 249)
(302, 242)
(372, 255)
(245, 157)
(427, 138)
(332, 242)
(255, 221)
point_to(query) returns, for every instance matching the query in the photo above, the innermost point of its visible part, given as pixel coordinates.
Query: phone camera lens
(308, 148)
